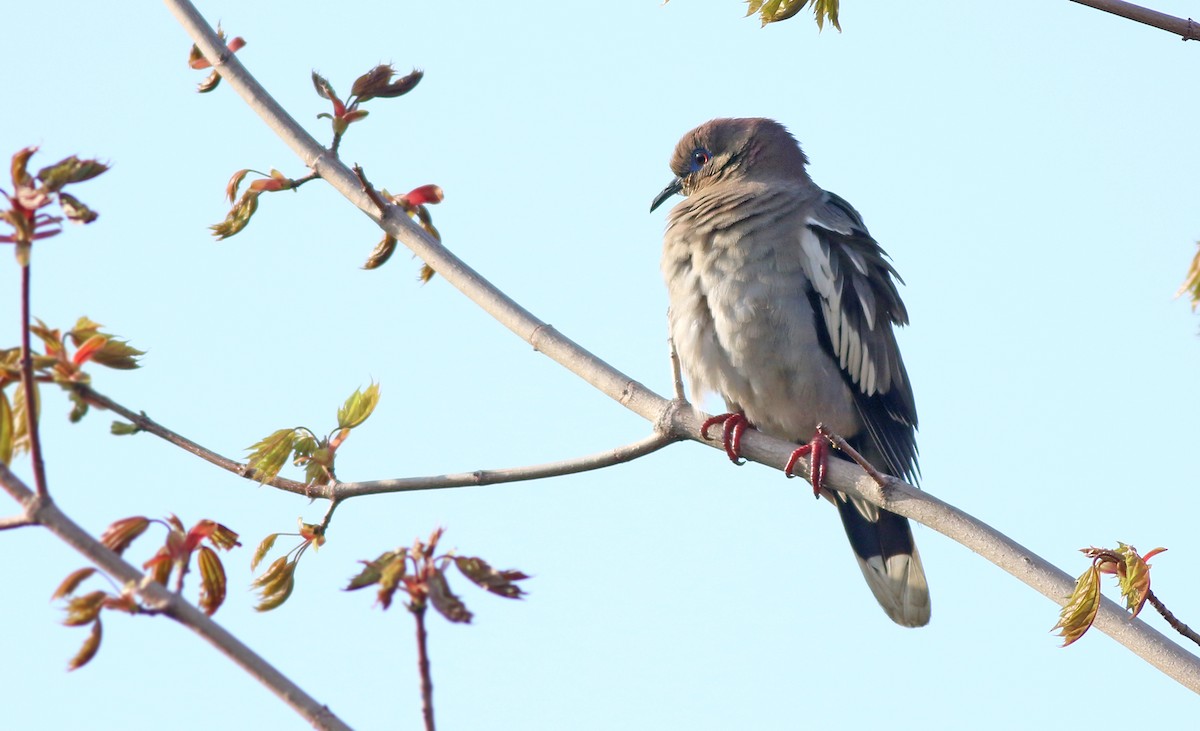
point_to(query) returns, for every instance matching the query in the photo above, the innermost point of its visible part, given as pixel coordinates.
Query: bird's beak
(675, 186)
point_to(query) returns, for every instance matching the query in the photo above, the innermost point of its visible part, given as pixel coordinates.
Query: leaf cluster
(378, 83)
(304, 448)
(32, 193)
(62, 360)
(420, 573)
(174, 557)
(381, 82)
(197, 61)
(415, 204)
(1133, 578)
(275, 585)
(773, 11)
(1191, 285)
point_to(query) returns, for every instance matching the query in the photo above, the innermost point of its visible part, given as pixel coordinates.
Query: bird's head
(724, 150)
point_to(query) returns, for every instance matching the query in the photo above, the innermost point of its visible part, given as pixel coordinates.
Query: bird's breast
(743, 326)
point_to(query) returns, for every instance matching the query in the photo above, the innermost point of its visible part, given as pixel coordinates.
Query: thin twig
(296, 183)
(676, 371)
(840, 442)
(1172, 620)
(345, 490)
(146, 424)
(27, 384)
(160, 600)
(324, 524)
(1187, 29)
(370, 189)
(16, 521)
(600, 460)
(423, 668)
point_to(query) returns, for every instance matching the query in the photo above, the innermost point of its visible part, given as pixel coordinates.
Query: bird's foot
(817, 452)
(732, 427)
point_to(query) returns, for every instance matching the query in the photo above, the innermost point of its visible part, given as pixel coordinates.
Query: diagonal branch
(1038, 573)
(542, 336)
(146, 424)
(42, 510)
(898, 497)
(1188, 30)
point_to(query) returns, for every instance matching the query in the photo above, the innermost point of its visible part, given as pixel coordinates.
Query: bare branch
(338, 491)
(28, 389)
(1187, 29)
(1171, 619)
(676, 372)
(423, 669)
(163, 601)
(369, 189)
(904, 499)
(16, 521)
(145, 423)
(840, 442)
(629, 452)
(324, 524)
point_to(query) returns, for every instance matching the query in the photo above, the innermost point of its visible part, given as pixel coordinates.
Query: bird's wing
(856, 303)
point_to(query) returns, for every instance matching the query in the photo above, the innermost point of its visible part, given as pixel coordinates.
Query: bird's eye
(700, 158)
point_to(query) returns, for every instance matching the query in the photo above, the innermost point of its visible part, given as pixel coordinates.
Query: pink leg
(733, 426)
(817, 452)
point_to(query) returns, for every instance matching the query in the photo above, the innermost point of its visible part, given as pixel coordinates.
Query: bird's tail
(883, 544)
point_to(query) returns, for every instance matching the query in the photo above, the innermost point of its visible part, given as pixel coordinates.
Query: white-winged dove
(782, 303)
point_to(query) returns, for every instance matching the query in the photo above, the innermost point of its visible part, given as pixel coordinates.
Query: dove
(783, 304)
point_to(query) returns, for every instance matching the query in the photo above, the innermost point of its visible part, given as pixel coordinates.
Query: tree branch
(1187, 29)
(423, 668)
(542, 336)
(676, 372)
(625, 453)
(145, 423)
(898, 497)
(904, 499)
(1171, 619)
(16, 521)
(30, 389)
(338, 491)
(42, 510)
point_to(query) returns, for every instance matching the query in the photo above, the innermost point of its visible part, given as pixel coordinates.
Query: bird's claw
(817, 452)
(733, 426)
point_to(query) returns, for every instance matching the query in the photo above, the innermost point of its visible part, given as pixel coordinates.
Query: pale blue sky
(1030, 166)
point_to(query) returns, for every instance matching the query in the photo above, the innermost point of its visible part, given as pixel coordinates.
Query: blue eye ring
(699, 159)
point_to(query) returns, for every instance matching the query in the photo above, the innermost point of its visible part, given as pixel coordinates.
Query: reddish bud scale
(270, 185)
(88, 349)
(424, 195)
(1153, 553)
(196, 59)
